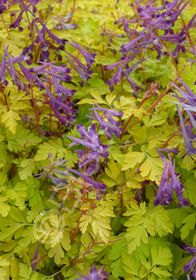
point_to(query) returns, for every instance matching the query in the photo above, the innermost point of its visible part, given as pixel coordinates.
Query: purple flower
(92, 142)
(188, 145)
(2, 6)
(34, 261)
(60, 42)
(3, 65)
(191, 250)
(63, 25)
(89, 57)
(28, 75)
(94, 274)
(165, 191)
(81, 69)
(97, 185)
(169, 183)
(188, 95)
(13, 74)
(189, 265)
(19, 18)
(110, 126)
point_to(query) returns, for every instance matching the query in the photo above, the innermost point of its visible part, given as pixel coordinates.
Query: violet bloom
(99, 187)
(94, 274)
(110, 126)
(19, 18)
(89, 57)
(2, 6)
(3, 65)
(189, 265)
(123, 64)
(190, 149)
(92, 142)
(35, 259)
(169, 183)
(188, 102)
(63, 25)
(80, 68)
(165, 191)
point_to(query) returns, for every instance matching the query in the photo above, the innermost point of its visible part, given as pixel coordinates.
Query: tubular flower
(94, 274)
(110, 126)
(89, 57)
(90, 141)
(2, 6)
(169, 183)
(189, 265)
(97, 185)
(188, 102)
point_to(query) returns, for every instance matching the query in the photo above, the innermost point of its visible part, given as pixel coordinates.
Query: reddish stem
(34, 108)
(5, 26)
(155, 103)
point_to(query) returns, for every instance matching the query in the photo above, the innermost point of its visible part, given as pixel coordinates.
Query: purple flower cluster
(3, 6)
(94, 274)
(110, 126)
(40, 76)
(188, 103)
(92, 142)
(169, 183)
(189, 265)
(57, 176)
(154, 20)
(63, 24)
(94, 147)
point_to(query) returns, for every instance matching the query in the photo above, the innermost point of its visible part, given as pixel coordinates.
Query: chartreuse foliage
(55, 223)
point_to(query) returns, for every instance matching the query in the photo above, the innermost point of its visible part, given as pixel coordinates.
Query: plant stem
(173, 134)
(5, 25)
(154, 104)
(74, 6)
(188, 35)
(130, 118)
(34, 108)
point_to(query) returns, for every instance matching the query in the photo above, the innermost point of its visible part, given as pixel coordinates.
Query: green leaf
(18, 194)
(28, 166)
(131, 159)
(152, 167)
(135, 236)
(144, 221)
(4, 207)
(10, 119)
(161, 256)
(54, 146)
(65, 241)
(85, 220)
(158, 221)
(56, 252)
(160, 272)
(189, 224)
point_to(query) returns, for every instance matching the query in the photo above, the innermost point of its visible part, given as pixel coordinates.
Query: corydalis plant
(153, 20)
(94, 274)
(61, 177)
(188, 103)
(3, 6)
(192, 262)
(106, 120)
(92, 142)
(169, 183)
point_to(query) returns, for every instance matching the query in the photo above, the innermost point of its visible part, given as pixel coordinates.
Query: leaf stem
(5, 25)
(153, 105)
(34, 108)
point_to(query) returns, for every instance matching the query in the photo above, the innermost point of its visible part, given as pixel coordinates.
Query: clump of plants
(97, 140)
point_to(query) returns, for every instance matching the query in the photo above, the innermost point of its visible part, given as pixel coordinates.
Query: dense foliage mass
(97, 140)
